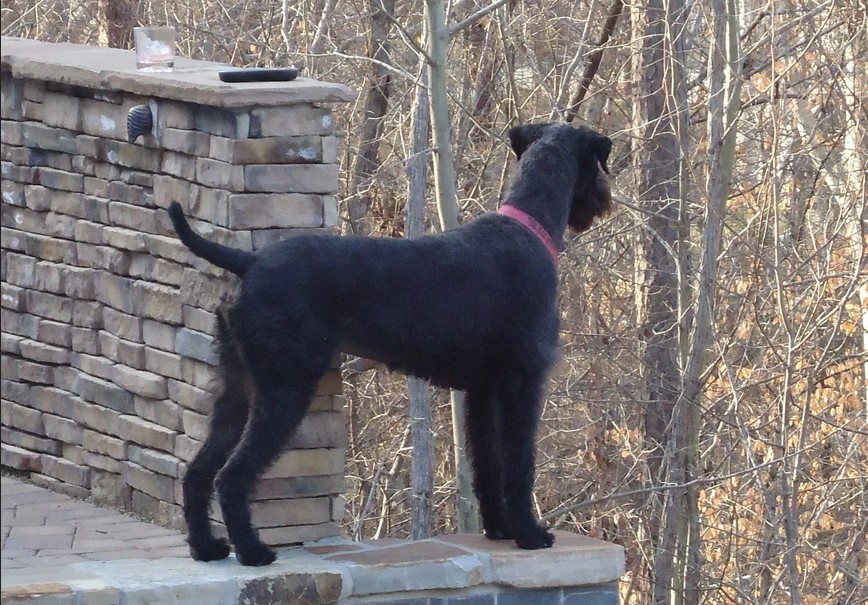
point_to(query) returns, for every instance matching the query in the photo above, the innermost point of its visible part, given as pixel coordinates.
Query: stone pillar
(107, 319)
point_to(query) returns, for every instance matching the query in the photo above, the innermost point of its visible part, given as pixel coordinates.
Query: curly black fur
(473, 309)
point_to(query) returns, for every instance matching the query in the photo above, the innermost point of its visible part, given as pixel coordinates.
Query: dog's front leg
(519, 399)
(485, 447)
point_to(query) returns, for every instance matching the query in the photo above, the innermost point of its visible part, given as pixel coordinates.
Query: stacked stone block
(108, 320)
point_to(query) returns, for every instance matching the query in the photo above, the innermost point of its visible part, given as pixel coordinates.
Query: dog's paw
(256, 556)
(213, 549)
(534, 538)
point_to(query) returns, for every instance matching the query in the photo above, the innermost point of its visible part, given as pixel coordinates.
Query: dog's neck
(542, 191)
(533, 226)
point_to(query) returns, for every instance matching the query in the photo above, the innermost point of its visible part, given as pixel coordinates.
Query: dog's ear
(602, 146)
(520, 137)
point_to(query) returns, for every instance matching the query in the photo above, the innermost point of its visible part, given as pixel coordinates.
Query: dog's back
(444, 307)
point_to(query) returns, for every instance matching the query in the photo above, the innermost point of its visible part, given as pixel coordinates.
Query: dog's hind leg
(279, 406)
(484, 444)
(227, 421)
(519, 398)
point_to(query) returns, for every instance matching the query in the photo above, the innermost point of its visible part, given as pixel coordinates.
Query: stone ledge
(340, 571)
(191, 81)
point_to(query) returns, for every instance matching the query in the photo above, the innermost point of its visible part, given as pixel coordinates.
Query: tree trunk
(317, 46)
(855, 169)
(444, 171)
(856, 181)
(447, 208)
(724, 71)
(421, 420)
(116, 21)
(376, 105)
(659, 116)
(592, 61)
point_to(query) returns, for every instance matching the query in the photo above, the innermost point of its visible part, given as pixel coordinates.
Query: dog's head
(591, 194)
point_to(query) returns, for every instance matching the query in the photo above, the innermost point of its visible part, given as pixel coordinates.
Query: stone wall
(107, 358)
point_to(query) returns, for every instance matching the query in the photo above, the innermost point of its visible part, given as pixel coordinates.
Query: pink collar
(528, 221)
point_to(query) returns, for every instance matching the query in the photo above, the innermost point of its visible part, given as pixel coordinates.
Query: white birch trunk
(447, 208)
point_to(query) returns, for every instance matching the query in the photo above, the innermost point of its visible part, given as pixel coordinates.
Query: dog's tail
(231, 259)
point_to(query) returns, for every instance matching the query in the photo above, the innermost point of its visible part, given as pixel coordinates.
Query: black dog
(472, 309)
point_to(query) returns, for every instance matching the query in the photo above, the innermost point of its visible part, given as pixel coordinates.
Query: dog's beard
(594, 202)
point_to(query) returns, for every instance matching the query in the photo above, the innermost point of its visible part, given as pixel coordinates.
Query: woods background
(710, 410)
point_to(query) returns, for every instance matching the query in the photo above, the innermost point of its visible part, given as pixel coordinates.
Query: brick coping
(328, 571)
(193, 81)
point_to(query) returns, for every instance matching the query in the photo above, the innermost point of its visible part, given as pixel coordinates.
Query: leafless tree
(710, 410)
